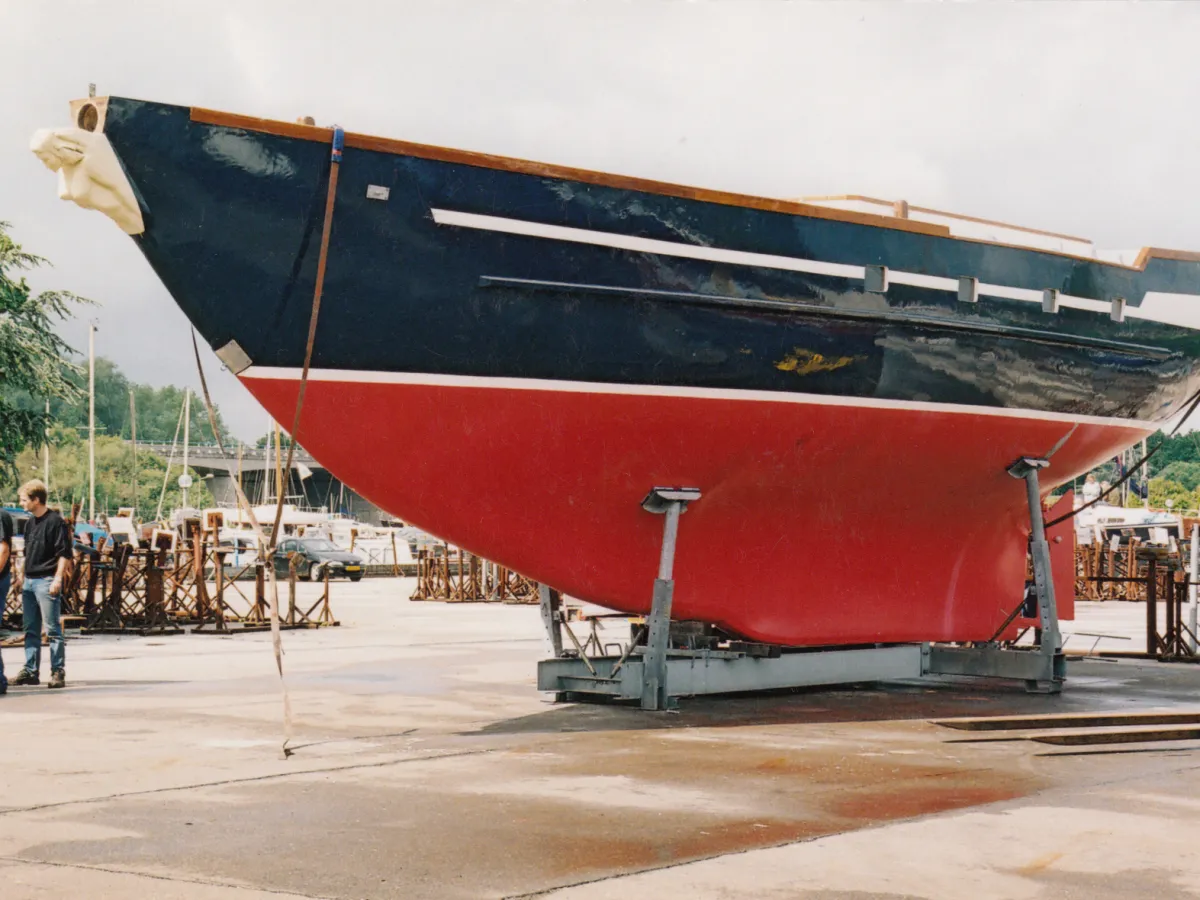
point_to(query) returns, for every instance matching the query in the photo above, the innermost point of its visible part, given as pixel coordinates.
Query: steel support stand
(550, 604)
(670, 502)
(1049, 636)
(660, 673)
(1042, 667)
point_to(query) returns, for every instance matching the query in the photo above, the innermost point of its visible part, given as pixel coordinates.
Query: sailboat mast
(46, 449)
(1145, 478)
(91, 422)
(279, 491)
(167, 472)
(268, 469)
(187, 421)
(133, 441)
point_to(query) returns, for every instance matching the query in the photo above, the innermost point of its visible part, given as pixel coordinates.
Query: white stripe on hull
(1182, 310)
(347, 376)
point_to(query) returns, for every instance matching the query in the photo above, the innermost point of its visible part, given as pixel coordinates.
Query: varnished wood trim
(268, 126)
(547, 170)
(1149, 253)
(1144, 255)
(586, 176)
(948, 215)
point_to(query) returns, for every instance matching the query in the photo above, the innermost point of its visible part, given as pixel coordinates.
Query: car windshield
(321, 546)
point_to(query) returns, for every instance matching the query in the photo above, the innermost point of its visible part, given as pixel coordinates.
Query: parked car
(316, 556)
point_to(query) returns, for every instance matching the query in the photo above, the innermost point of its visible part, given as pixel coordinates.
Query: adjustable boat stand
(672, 503)
(655, 674)
(642, 678)
(1042, 667)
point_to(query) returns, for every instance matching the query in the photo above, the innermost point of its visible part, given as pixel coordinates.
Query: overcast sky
(1073, 117)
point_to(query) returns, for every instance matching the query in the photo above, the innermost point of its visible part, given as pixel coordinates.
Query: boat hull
(511, 355)
(820, 522)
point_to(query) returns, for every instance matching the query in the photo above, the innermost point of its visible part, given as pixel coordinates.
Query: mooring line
(1192, 402)
(270, 544)
(268, 563)
(335, 165)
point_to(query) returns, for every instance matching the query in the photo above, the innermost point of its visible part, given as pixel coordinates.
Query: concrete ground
(425, 764)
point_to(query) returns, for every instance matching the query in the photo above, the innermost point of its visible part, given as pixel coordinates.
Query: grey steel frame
(1042, 667)
(656, 674)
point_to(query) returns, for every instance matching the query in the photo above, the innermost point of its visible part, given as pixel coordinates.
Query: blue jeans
(5, 584)
(38, 605)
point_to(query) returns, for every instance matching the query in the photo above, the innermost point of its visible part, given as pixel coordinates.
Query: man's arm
(7, 531)
(63, 551)
(60, 575)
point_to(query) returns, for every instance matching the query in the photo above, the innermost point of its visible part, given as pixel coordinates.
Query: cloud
(1070, 117)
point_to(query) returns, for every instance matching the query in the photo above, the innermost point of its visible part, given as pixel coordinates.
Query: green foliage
(34, 360)
(114, 477)
(268, 439)
(158, 409)
(1163, 489)
(1174, 471)
(1180, 448)
(1186, 473)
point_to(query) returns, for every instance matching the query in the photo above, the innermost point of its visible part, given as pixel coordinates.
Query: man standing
(47, 554)
(6, 544)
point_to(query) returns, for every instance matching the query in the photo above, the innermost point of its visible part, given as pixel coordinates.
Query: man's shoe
(58, 678)
(25, 677)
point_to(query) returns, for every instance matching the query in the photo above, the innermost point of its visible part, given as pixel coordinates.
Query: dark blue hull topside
(233, 218)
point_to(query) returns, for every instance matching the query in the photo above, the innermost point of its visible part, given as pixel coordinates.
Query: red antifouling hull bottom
(819, 523)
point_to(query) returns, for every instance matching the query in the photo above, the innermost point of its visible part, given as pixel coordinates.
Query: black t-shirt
(6, 537)
(46, 539)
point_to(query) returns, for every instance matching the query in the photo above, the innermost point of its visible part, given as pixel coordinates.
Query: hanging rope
(268, 558)
(335, 164)
(270, 541)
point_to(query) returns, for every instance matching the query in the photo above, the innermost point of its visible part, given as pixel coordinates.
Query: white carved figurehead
(89, 173)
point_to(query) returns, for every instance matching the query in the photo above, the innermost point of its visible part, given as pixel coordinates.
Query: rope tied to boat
(1192, 402)
(248, 511)
(270, 541)
(335, 165)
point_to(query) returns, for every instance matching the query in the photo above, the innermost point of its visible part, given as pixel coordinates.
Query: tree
(114, 476)
(1186, 473)
(1180, 448)
(158, 409)
(268, 440)
(1162, 490)
(34, 361)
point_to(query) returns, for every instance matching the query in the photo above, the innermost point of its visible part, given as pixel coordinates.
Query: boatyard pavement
(424, 763)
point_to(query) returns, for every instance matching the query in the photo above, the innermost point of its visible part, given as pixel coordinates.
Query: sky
(1079, 117)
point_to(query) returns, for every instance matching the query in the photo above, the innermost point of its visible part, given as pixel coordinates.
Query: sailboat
(521, 351)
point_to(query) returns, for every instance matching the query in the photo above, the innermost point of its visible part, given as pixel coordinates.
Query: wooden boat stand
(120, 589)
(471, 579)
(666, 660)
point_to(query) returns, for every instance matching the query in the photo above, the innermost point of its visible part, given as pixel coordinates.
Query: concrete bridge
(318, 489)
